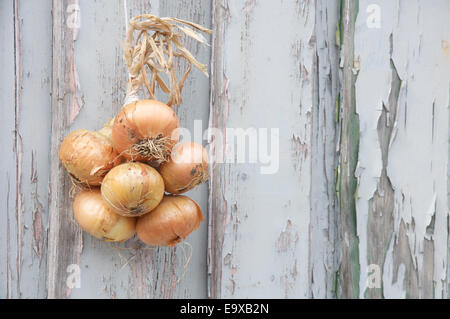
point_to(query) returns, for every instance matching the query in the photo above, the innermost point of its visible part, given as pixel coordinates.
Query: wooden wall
(356, 93)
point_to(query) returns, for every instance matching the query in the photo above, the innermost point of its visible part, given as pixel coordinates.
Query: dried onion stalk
(159, 41)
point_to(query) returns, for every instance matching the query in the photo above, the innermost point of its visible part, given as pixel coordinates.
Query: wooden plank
(26, 61)
(34, 128)
(194, 115)
(348, 155)
(265, 75)
(324, 226)
(88, 98)
(270, 235)
(423, 102)
(400, 95)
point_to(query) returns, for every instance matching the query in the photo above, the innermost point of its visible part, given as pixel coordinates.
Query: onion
(187, 168)
(88, 155)
(145, 131)
(132, 189)
(169, 223)
(95, 217)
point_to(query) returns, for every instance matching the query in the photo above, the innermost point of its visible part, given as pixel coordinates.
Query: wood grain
(65, 238)
(358, 207)
(402, 99)
(349, 271)
(25, 100)
(274, 235)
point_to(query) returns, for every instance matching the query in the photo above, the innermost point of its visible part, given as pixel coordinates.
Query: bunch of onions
(132, 189)
(171, 222)
(96, 218)
(187, 168)
(145, 131)
(89, 155)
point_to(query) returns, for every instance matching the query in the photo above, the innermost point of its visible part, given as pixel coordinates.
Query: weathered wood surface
(88, 88)
(273, 235)
(25, 61)
(358, 208)
(349, 272)
(402, 102)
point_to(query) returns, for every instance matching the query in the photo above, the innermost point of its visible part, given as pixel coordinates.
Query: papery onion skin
(96, 218)
(88, 156)
(143, 120)
(171, 222)
(187, 168)
(132, 189)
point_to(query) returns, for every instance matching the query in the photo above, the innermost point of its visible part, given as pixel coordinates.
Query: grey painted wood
(273, 235)
(9, 251)
(65, 238)
(324, 242)
(362, 185)
(402, 101)
(25, 101)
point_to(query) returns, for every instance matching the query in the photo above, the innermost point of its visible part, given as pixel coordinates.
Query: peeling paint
(74, 88)
(348, 158)
(236, 242)
(391, 182)
(400, 190)
(285, 238)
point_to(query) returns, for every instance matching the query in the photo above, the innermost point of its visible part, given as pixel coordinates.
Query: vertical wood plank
(421, 180)
(8, 222)
(26, 34)
(194, 116)
(348, 156)
(93, 92)
(264, 75)
(65, 238)
(392, 131)
(398, 97)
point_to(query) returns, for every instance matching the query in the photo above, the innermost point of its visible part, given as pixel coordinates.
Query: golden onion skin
(187, 168)
(88, 156)
(171, 222)
(132, 189)
(142, 120)
(96, 218)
